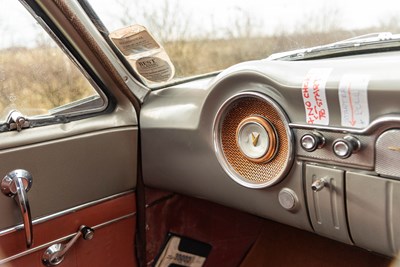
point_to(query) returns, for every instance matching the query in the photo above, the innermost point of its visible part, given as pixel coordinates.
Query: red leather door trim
(112, 245)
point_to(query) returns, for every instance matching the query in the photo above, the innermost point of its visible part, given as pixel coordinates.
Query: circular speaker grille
(238, 166)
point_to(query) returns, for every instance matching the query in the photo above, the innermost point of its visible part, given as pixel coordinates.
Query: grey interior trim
(177, 122)
(62, 239)
(62, 213)
(326, 206)
(83, 168)
(377, 126)
(177, 131)
(119, 119)
(373, 212)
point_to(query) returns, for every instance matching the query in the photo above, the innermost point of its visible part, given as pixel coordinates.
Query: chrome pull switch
(318, 185)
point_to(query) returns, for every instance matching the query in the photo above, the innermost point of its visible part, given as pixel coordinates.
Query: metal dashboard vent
(388, 153)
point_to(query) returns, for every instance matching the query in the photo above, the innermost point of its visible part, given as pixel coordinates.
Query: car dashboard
(313, 144)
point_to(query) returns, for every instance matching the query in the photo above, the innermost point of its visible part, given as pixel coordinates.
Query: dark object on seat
(182, 251)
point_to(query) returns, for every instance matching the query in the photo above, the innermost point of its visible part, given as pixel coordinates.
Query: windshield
(206, 36)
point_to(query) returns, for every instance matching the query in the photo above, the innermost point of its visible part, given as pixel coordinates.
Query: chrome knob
(87, 232)
(344, 148)
(318, 185)
(311, 141)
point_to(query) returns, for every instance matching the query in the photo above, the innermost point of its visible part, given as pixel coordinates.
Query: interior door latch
(16, 184)
(15, 120)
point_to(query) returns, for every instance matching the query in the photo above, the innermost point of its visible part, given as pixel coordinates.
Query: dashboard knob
(345, 147)
(318, 185)
(288, 199)
(312, 141)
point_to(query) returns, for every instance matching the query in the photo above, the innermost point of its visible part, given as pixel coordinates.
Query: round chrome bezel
(242, 144)
(216, 131)
(270, 134)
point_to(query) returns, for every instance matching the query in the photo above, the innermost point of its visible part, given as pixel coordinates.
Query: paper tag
(133, 40)
(353, 98)
(173, 256)
(314, 97)
(154, 69)
(147, 57)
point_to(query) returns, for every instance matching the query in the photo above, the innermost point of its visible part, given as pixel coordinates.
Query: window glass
(208, 35)
(35, 75)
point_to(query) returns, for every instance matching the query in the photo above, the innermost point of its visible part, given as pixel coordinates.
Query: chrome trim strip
(62, 239)
(62, 213)
(220, 154)
(377, 126)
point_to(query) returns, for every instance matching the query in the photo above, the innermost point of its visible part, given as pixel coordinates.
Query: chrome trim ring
(288, 143)
(257, 139)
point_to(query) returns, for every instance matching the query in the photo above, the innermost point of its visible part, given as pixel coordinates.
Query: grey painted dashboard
(360, 191)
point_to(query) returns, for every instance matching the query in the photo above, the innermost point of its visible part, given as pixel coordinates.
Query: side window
(36, 77)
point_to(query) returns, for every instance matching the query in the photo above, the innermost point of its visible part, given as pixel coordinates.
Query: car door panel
(84, 166)
(113, 221)
(75, 181)
(72, 171)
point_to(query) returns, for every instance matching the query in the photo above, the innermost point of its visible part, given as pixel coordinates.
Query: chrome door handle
(16, 184)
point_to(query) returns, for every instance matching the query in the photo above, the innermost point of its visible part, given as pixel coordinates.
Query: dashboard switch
(345, 147)
(312, 141)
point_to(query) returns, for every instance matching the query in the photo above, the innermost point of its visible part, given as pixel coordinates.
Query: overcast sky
(273, 13)
(17, 28)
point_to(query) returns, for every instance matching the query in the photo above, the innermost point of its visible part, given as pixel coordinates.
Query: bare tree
(243, 24)
(325, 19)
(165, 21)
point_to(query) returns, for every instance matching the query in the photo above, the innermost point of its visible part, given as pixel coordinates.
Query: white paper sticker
(154, 69)
(133, 40)
(144, 53)
(314, 97)
(353, 98)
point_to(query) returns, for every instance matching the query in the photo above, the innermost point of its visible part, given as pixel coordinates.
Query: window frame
(71, 111)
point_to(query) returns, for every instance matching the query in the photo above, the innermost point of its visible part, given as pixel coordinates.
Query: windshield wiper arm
(370, 37)
(380, 40)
